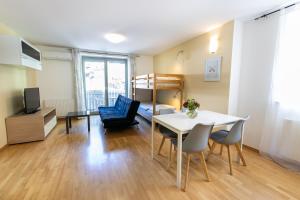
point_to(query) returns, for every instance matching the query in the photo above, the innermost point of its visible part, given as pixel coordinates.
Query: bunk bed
(154, 83)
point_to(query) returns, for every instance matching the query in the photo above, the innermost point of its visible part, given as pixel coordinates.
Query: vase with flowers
(191, 105)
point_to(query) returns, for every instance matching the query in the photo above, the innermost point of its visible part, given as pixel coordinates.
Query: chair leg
(221, 150)
(187, 171)
(170, 155)
(211, 150)
(161, 144)
(213, 146)
(229, 159)
(175, 152)
(203, 163)
(238, 148)
(209, 146)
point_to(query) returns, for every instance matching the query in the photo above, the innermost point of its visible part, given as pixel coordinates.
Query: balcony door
(104, 80)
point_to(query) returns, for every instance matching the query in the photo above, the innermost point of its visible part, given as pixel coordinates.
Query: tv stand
(32, 112)
(23, 127)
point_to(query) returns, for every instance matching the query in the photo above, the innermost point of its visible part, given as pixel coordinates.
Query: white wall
(211, 95)
(13, 80)
(258, 48)
(56, 80)
(144, 65)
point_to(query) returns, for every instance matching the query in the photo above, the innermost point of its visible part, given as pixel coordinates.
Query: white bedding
(166, 78)
(148, 84)
(148, 106)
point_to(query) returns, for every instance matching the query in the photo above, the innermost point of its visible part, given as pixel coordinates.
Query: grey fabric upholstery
(197, 139)
(219, 136)
(229, 137)
(167, 132)
(163, 130)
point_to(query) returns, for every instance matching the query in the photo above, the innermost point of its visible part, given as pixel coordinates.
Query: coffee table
(71, 115)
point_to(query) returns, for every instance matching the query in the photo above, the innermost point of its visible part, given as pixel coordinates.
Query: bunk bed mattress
(142, 83)
(167, 78)
(146, 109)
(145, 85)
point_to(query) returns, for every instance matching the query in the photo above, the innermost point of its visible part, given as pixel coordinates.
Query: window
(105, 79)
(286, 80)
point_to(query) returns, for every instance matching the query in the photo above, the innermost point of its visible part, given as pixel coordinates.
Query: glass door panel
(104, 80)
(116, 79)
(94, 74)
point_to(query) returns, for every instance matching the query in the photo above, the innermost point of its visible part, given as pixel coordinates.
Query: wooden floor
(118, 166)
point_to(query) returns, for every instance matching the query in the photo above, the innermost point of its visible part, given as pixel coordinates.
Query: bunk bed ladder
(154, 94)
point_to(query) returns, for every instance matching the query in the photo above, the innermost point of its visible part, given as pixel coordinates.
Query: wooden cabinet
(22, 127)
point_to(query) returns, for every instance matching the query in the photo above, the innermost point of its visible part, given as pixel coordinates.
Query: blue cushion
(111, 115)
(107, 110)
(219, 136)
(119, 110)
(121, 114)
(123, 105)
(118, 102)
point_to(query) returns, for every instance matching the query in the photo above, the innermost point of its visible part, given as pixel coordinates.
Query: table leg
(70, 122)
(67, 124)
(179, 159)
(241, 146)
(152, 139)
(89, 126)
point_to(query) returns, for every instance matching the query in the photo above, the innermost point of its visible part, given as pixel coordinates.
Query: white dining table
(181, 124)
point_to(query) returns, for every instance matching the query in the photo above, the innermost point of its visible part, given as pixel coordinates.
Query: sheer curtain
(79, 81)
(281, 132)
(131, 72)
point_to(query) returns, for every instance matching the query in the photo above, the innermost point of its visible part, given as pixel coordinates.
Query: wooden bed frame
(156, 82)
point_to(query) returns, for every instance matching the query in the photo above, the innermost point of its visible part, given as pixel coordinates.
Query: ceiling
(150, 26)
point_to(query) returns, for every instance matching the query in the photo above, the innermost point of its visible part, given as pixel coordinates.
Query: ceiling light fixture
(115, 37)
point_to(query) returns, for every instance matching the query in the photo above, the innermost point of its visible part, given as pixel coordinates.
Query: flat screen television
(31, 100)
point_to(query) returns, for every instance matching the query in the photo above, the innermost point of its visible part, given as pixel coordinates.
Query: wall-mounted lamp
(213, 44)
(175, 95)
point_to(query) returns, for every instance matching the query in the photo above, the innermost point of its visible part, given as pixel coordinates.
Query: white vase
(191, 113)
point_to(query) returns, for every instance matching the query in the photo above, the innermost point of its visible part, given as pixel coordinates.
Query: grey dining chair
(228, 138)
(196, 142)
(167, 134)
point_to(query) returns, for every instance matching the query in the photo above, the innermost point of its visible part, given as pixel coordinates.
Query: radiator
(63, 106)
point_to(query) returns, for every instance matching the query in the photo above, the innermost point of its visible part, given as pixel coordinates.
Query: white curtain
(131, 72)
(281, 132)
(79, 81)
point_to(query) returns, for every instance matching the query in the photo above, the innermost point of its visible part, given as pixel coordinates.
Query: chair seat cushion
(167, 132)
(110, 114)
(107, 109)
(219, 136)
(174, 140)
(120, 115)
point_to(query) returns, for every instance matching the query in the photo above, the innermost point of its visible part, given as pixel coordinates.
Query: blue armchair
(121, 115)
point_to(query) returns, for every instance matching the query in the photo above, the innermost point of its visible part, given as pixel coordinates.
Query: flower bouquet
(191, 105)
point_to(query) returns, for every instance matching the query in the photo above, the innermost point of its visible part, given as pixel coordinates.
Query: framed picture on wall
(213, 69)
